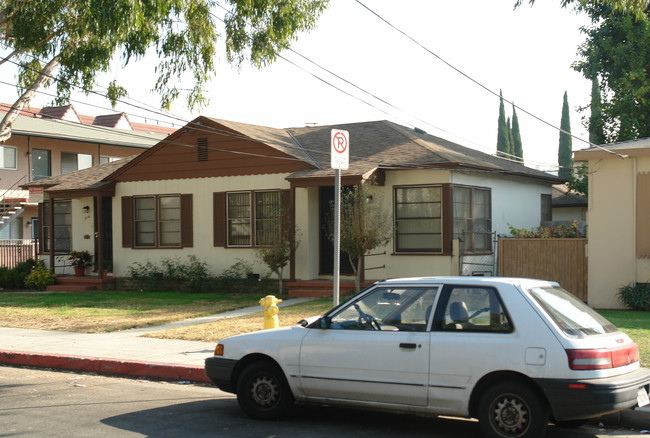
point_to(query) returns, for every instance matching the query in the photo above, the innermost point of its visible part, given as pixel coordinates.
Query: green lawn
(637, 326)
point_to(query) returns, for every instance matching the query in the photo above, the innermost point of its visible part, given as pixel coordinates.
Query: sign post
(340, 161)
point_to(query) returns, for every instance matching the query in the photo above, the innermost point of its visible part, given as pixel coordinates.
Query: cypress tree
(596, 125)
(502, 135)
(517, 146)
(511, 147)
(565, 150)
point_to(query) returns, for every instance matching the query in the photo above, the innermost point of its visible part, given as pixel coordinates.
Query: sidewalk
(126, 353)
(123, 353)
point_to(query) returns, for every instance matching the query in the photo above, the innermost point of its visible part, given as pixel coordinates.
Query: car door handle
(408, 345)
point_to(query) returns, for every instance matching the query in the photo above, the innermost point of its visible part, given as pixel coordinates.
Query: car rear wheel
(512, 410)
(263, 392)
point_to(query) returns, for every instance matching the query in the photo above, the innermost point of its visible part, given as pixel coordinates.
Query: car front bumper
(588, 398)
(219, 371)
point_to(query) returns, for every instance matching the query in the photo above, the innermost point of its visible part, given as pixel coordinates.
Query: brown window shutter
(643, 215)
(285, 205)
(127, 221)
(40, 231)
(219, 218)
(187, 224)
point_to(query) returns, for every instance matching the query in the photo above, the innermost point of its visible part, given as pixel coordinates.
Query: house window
(8, 158)
(71, 162)
(260, 219)
(547, 208)
(267, 217)
(41, 164)
(157, 221)
(104, 160)
(239, 219)
(418, 222)
(62, 227)
(473, 218)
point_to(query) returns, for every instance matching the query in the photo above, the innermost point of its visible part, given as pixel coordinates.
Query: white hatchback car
(514, 353)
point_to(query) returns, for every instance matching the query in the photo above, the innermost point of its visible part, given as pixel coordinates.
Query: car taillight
(602, 358)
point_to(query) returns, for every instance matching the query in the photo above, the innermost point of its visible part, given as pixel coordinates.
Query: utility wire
(462, 73)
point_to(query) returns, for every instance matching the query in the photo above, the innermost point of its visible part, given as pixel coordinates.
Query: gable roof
(387, 145)
(92, 178)
(378, 145)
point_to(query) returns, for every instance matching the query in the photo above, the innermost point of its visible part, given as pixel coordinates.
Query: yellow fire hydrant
(271, 311)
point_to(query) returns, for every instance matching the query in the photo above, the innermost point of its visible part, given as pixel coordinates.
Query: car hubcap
(510, 415)
(265, 391)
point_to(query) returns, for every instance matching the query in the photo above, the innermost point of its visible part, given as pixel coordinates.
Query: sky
(527, 53)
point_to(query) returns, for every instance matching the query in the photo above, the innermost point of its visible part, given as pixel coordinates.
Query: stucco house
(213, 189)
(618, 218)
(57, 140)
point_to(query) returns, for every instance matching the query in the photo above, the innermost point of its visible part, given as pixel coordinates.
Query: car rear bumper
(588, 398)
(219, 371)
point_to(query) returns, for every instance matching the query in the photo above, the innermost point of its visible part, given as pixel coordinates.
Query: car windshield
(574, 317)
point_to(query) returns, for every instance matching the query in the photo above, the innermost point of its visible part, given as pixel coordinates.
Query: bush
(40, 278)
(557, 232)
(193, 275)
(15, 278)
(635, 296)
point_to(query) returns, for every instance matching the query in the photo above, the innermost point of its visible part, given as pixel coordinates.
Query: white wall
(218, 259)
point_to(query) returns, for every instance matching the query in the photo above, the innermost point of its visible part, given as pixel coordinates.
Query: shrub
(39, 278)
(193, 274)
(15, 278)
(562, 231)
(635, 296)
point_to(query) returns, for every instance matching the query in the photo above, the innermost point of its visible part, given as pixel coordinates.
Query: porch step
(320, 288)
(81, 284)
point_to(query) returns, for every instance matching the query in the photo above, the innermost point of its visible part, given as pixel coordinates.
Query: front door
(326, 200)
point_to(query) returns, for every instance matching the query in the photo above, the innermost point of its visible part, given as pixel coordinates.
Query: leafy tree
(503, 143)
(70, 42)
(511, 141)
(635, 7)
(276, 254)
(617, 51)
(365, 225)
(596, 127)
(517, 146)
(579, 181)
(565, 150)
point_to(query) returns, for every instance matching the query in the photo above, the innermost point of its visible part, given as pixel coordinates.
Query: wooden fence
(13, 251)
(561, 260)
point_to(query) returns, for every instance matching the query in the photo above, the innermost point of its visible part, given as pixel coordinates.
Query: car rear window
(571, 315)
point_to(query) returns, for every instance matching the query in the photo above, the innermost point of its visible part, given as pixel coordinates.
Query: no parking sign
(340, 149)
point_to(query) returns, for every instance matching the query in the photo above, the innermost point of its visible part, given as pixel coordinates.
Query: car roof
(469, 281)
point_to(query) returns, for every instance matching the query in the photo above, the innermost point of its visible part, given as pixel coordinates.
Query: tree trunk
(280, 284)
(9, 118)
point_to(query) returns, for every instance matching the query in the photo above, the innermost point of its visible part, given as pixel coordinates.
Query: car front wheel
(263, 392)
(512, 410)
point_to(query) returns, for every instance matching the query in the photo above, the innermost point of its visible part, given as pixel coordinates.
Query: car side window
(464, 308)
(388, 309)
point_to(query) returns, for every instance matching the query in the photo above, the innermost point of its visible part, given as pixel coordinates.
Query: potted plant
(106, 267)
(79, 259)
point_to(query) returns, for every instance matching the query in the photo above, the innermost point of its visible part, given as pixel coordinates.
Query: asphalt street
(37, 403)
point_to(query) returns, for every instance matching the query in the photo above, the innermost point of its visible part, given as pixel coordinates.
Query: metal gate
(479, 264)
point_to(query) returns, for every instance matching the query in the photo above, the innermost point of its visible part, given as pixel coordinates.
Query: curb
(114, 367)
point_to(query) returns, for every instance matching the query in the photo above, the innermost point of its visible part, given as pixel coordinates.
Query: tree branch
(9, 118)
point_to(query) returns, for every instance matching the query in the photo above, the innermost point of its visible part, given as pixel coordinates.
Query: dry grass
(214, 331)
(102, 312)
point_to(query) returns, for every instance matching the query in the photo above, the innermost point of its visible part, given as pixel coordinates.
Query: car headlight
(218, 350)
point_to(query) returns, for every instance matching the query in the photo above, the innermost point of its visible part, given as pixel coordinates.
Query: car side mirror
(325, 322)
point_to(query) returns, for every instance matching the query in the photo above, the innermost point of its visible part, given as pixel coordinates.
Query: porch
(70, 283)
(321, 288)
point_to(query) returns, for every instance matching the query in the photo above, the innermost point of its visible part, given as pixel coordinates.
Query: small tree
(365, 225)
(565, 149)
(503, 139)
(517, 146)
(277, 253)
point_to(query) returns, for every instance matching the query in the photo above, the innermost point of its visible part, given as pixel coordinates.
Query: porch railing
(14, 251)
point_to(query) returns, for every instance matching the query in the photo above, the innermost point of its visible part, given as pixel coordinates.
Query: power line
(457, 70)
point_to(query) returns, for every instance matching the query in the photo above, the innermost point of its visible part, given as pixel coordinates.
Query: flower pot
(79, 271)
